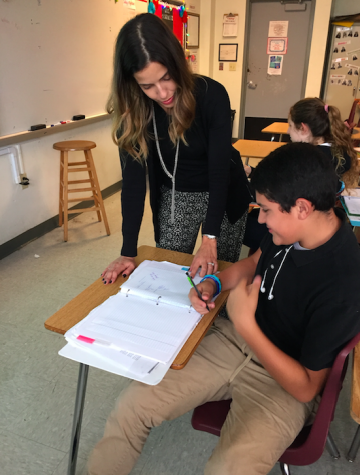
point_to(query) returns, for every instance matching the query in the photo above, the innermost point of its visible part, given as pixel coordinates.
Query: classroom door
(268, 97)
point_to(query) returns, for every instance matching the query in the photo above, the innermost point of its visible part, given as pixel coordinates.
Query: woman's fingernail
(110, 282)
(124, 275)
(104, 282)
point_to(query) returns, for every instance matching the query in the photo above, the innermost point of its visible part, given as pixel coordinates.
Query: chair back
(353, 118)
(309, 444)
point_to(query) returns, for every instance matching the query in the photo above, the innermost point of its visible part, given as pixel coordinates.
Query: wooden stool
(86, 166)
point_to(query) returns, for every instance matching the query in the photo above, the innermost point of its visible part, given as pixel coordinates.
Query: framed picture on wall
(228, 51)
(192, 30)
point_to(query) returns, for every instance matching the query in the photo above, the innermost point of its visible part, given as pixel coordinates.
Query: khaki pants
(263, 420)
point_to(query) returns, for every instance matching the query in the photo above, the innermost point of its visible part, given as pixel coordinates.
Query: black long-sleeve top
(203, 165)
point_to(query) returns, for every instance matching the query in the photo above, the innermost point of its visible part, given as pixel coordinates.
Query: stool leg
(89, 157)
(65, 189)
(61, 190)
(92, 174)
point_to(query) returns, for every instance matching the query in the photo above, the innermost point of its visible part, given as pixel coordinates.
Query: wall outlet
(232, 67)
(24, 181)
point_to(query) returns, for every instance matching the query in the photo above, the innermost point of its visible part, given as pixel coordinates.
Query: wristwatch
(210, 236)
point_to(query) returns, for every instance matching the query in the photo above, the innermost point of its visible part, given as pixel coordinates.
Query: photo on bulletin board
(192, 30)
(228, 51)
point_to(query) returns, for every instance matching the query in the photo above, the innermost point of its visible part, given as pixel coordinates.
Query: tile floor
(37, 387)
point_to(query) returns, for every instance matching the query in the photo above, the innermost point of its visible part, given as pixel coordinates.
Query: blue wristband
(216, 280)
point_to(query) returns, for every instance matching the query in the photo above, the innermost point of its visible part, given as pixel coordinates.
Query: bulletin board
(57, 58)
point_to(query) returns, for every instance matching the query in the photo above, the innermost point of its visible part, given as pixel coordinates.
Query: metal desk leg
(280, 138)
(354, 446)
(78, 413)
(247, 160)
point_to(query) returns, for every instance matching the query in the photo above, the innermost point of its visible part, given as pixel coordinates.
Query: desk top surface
(94, 295)
(256, 148)
(282, 128)
(276, 128)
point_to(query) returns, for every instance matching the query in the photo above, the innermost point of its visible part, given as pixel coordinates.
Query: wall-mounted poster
(278, 29)
(277, 45)
(275, 65)
(228, 52)
(230, 24)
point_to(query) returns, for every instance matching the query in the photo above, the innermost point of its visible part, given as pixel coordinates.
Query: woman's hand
(206, 258)
(247, 169)
(207, 290)
(122, 265)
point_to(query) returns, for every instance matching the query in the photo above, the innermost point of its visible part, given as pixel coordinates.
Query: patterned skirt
(190, 213)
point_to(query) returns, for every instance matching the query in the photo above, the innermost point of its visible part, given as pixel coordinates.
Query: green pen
(196, 289)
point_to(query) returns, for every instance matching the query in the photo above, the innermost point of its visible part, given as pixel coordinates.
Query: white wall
(23, 209)
(212, 12)
(317, 48)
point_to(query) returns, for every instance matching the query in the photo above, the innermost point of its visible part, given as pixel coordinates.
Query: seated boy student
(293, 305)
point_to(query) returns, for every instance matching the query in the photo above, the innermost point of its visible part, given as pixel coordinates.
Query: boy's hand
(207, 290)
(241, 305)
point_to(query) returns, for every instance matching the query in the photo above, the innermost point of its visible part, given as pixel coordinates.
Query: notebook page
(130, 361)
(138, 325)
(154, 279)
(352, 204)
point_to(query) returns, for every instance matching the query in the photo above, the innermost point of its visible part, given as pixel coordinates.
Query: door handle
(251, 85)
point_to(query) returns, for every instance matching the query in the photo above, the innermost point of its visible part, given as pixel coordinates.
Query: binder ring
(157, 302)
(127, 293)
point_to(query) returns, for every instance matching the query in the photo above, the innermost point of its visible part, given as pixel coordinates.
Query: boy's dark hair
(296, 170)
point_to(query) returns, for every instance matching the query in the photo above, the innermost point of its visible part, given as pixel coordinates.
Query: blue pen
(196, 289)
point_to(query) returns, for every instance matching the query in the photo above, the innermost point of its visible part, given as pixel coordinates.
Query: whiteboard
(56, 58)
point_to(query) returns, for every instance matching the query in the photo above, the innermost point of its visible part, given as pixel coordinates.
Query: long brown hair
(325, 122)
(144, 39)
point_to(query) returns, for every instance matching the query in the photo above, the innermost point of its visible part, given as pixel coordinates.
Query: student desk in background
(355, 135)
(79, 307)
(276, 128)
(255, 148)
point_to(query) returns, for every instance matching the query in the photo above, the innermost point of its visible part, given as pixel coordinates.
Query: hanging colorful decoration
(171, 6)
(151, 7)
(179, 15)
(177, 25)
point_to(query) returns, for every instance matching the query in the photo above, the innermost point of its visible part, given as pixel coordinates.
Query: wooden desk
(282, 128)
(255, 148)
(79, 307)
(355, 403)
(355, 135)
(276, 128)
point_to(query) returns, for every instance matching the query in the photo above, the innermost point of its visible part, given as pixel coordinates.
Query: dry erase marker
(196, 289)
